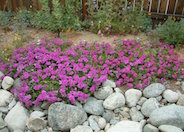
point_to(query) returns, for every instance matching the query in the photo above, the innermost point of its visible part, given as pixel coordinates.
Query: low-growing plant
(51, 72)
(171, 32)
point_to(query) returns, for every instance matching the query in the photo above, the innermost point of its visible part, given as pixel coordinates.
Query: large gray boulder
(64, 116)
(168, 115)
(149, 106)
(126, 126)
(132, 96)
(94, 106)
(153, 90)
(114, 101)
(17, 117)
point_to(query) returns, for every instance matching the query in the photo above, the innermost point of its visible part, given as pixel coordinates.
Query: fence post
(84, 8)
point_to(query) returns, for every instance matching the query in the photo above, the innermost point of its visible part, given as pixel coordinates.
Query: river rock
(109, 83)
(150, 128)
(181, 100)
(36, 124)
(126, 126)
(81, 128)
(168, 115)
(64, 117)
(103, 92)
(5, 97)
(169, 128)
(135, 114)
(17, 117)
(171, 96)
(149, 106)
(132, 96)
(114, 101)
(153, 90)
(7, 82)
(94, 106)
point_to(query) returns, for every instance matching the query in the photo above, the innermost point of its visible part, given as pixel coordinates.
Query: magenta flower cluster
(51, 73)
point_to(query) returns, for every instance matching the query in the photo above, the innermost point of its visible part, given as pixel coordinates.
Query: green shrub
(61, 18)
(6, 19)
(171, 32)
(111, 16)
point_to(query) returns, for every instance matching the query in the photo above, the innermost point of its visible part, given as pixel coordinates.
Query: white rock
(149, 106)
(153, 90)
(37, 114)
(93, 122)
(150, 128)
(126, 126)
(36, 124)
(135, 114)
(171, 96)
(5, 96)
(103, 92)
(114, 101)
(132, 96)
(7, 82)
(169, 128)
(12, 104)
(141, 101)
(17, 117)
(81, 128)
(109, 83)
(107, 126)
(101, 123)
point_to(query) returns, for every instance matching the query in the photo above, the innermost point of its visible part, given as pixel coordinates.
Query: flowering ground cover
(54, 71)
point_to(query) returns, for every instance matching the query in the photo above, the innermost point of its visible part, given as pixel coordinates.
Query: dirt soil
(6, 40)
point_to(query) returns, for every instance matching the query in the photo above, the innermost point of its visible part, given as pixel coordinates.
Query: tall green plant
(171, 32)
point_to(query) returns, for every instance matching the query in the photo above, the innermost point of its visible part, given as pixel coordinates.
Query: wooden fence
(152, 7)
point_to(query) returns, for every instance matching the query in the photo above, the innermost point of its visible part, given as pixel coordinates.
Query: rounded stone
(150, 128)
(132, 96)
(114, 101)
(64, 116)
(153, 90)
(7, 82)
(101, 123)
(94, 106)
(168, 115)
(81, 128)
(103, 93)
(169, 128)
(149, 106)
(126, 126)
(171, 96)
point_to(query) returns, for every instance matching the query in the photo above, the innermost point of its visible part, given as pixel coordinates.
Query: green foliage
(62, 17)
(23, 19)
(111, 16)
(171, 32)
(103, 16)
(6, 19)
(42, 17)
